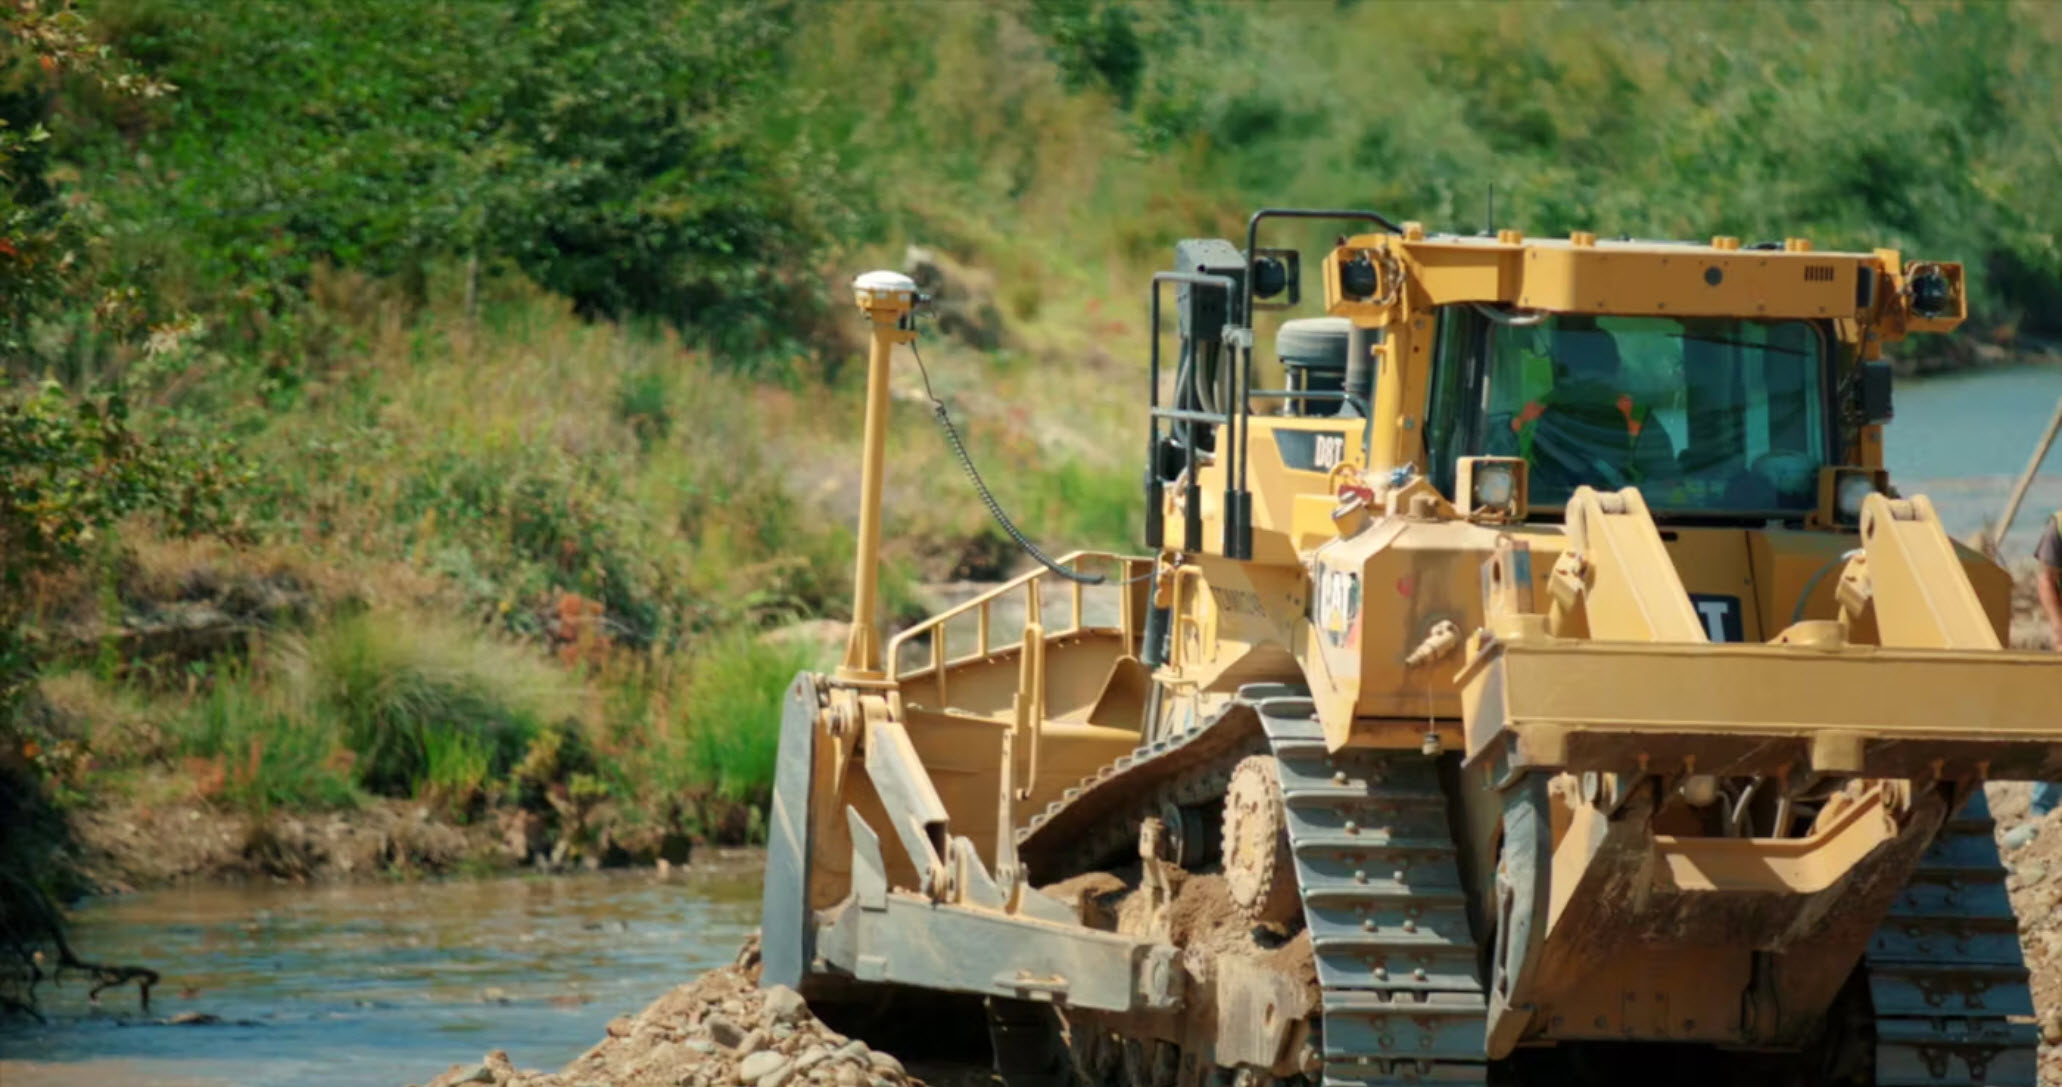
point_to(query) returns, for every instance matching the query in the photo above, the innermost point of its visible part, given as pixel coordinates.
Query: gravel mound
(720, 1030)
(2034, 863)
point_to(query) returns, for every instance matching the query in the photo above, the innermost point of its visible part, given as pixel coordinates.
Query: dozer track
(1382, 897)
(1098, 819)
(1376, 869)
(1946, 972)
(1378, 874)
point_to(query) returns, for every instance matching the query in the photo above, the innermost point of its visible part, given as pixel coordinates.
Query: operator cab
(1723, 418)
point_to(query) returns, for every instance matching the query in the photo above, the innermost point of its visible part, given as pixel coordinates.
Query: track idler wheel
(1258, 868)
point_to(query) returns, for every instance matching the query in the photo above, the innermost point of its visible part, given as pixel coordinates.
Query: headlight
(1848, 498)
(1493, 486)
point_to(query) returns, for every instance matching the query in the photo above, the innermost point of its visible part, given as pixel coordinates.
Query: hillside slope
(515, 339)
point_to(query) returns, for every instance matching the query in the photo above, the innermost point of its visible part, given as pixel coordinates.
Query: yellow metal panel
(1760, 708)
(1476, 273)
(1405, 349)
(1784, 564)
(1691, 281)
(1293, 455)
(1778, 866)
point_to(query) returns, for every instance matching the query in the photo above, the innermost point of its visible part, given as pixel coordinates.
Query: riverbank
(155, 807)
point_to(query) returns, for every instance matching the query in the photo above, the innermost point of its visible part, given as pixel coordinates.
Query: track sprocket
(1259, 870)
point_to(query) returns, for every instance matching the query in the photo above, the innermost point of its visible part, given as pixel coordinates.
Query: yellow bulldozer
(1540, 682)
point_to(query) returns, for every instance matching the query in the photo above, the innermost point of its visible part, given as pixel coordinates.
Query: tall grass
(423, 702)
(735, 702)
(256, 755)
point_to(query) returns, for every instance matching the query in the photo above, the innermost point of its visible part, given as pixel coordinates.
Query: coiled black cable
(995, 510)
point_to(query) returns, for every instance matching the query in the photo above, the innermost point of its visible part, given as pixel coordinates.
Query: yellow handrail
(1127, 569)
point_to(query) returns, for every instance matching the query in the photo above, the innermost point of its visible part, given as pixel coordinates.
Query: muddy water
(381, 984)
(1962, 440)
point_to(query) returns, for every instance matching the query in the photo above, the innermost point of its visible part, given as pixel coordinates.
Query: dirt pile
(720, 1030)
(2029, 627)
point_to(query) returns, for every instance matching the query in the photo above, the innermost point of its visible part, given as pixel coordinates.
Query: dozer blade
(786, 941)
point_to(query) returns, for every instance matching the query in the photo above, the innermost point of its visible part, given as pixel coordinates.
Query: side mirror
(1875, 393)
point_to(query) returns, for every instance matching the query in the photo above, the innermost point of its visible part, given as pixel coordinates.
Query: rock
(784, 1005)
(854, 1050)
(847, 1076)
(620, 1026)
(778, 1077)
(724, 1032)
(812, 1057)
(192, 1019)
(752, 1043)
(2019, 836)
(760, 1065)
(462, 1074)
(2051, 1028)
(699, 1046)
(886, 1065)
(492, 995)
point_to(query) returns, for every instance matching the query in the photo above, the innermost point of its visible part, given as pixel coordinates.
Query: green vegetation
(474, 382)
(423, 705)
(256, 755)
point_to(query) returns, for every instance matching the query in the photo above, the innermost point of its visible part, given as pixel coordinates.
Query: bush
(402, 688)
(609, 151)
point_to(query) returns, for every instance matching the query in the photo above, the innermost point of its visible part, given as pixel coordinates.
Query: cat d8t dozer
(1532, 678)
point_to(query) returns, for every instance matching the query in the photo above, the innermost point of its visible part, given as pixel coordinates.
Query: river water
(379, 984)
(386, 984)
(1962, 440)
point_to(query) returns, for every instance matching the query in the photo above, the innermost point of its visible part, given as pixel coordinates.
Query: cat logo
(1338, 606)
(1720, 616)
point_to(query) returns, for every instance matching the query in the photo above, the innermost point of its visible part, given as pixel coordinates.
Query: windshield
(1702, 415)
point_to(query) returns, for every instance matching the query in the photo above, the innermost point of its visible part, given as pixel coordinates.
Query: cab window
(1703, 415)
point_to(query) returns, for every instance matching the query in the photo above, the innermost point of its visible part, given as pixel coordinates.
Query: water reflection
(380, 984)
